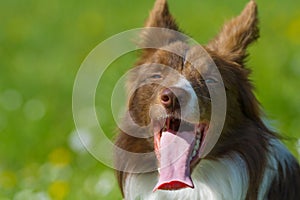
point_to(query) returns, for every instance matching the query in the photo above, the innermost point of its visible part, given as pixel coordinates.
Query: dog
(165, 148)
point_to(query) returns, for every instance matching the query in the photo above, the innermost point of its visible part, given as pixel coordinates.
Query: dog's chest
(213, 180)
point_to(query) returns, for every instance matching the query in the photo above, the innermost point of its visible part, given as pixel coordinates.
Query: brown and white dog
(247, 162)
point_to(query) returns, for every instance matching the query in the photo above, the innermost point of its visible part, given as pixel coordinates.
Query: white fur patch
(278, 155)
(225, 178)
(191, 111)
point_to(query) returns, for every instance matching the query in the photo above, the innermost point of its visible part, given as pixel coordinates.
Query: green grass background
(42, 44)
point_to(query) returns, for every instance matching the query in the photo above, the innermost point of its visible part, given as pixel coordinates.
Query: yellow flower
(60, 156)
(58, 190)
(8, 179)
(293, 31)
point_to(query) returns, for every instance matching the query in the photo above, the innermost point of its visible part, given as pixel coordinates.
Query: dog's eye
(211, 80)
(156, 76)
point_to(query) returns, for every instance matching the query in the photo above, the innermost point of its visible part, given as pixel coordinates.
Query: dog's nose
(174, 97)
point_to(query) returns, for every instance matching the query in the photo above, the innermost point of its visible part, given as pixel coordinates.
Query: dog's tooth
(158, 169)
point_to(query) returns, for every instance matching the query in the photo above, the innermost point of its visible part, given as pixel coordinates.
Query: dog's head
(171, 87)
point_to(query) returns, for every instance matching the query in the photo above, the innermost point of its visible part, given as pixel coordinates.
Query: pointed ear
(160, 17)
(235, 36)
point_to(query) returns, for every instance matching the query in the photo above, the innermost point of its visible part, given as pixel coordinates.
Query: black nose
(174, 97)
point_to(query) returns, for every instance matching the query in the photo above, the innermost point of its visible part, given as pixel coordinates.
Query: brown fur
(243, 125)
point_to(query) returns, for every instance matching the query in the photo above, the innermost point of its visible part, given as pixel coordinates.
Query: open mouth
(178, 145)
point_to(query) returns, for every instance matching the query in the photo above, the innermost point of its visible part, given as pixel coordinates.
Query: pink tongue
(174, 161)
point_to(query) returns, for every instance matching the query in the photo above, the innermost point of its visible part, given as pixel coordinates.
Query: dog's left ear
(232, 42)
(160, 17)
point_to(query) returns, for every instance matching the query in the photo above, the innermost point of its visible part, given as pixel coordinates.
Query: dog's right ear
(160, 17)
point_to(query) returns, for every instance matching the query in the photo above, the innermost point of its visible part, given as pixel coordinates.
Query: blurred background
(42, 45)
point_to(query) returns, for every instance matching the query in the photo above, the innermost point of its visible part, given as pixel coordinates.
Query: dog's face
(171, 87)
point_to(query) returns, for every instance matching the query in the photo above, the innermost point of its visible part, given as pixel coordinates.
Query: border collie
(171, 147)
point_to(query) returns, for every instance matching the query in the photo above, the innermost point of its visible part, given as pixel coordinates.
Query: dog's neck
(219, 179)
(225, 178)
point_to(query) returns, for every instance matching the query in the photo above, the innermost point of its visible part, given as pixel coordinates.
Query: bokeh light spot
(105, 183)
(34, 109)
(77, 144)
(60, 157)
(293, 31)
(58, 190)
(11, 99)
(8, 179)
(101, 185)
(28, 194)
